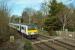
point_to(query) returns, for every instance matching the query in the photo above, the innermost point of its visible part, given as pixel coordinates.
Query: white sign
(70, 35)
(11, 38)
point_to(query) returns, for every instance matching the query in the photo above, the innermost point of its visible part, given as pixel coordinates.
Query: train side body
(25, 29)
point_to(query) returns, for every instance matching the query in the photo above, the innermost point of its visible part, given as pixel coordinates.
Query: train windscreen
(31, 27)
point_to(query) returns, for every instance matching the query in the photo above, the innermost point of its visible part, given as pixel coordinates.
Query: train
(29, 31)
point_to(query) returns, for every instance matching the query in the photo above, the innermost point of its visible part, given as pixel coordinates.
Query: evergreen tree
(53, 23)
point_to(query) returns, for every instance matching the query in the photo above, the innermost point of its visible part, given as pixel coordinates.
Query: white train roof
(18, 24)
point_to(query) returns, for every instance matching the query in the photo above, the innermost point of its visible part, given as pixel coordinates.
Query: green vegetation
(15, 19)
(59, 18)
(52, 17)
(28, 45)
(52, 22)
(33, 17)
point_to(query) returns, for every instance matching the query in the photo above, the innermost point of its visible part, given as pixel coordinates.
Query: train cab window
(31, 28)
(22, 28)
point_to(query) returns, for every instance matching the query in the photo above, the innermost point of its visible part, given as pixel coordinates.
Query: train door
(22, 29)
(26, 30)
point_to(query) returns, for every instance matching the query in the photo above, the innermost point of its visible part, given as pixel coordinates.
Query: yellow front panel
(32, 30)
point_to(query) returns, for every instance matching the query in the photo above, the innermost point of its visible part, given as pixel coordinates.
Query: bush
(28, 45)
(52, 33)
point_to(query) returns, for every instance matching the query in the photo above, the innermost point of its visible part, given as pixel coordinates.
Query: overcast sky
(17, 6)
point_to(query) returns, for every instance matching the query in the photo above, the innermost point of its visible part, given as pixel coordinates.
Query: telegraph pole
(29, 19)
(64, 22)
(20, 22)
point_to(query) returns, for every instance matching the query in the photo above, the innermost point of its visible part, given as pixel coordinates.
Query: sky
(17, 6)
(69, 3)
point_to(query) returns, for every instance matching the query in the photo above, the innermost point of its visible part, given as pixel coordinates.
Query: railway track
(47, 43)
(49, 46)
(66, 45)
(40, 39)
(50, 43)
(70, 40)
(42, 46)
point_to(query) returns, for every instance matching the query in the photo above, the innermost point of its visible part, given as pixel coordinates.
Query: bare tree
(27, 15)
(4, 20)
(66, 16)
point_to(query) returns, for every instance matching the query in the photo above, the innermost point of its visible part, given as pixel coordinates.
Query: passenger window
(17, 26)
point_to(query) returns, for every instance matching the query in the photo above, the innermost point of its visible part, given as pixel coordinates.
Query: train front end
(32, 31)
